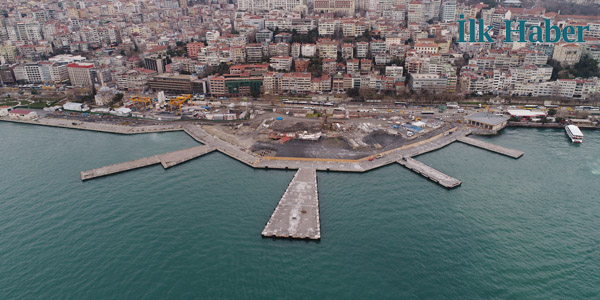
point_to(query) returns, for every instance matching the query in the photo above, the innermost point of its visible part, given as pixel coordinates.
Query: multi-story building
(378, 47)
(237, 54)
(321, 84)
(301, 64)
(252, 70)
(295, 50)
(448, 11)
(254, 52)
(327, 27)
(7, 75)
(272, 83)
(428, 82)
(296, 83)
(135, 80)
(394, 71)
(279, 49)
(362, 49)
(53, 72)
(415, 12)
(426, 48)
(281, 63)
(8, 53)
(366, 65)
(567, 54)
(194, 48)
(235, 85)
(342, 7)
(327, 48)
(176, 84)
(80, 74)
(156, 63)
(308, 50)
(329, 66)
(264, 36)
(347, 51)
(353, 66)
(266, 5)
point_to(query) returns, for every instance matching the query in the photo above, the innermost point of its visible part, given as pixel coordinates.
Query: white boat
(574, 133)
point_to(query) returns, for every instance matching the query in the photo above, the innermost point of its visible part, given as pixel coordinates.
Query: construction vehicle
(177, 102)
(141, 100)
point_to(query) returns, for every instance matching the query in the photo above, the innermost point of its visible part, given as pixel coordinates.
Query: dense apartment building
(80, 74)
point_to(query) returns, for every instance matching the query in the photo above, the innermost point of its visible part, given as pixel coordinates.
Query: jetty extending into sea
(167, 160)
(297, 213)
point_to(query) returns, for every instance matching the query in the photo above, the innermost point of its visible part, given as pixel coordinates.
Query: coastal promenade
(97, 126)
(297, 213)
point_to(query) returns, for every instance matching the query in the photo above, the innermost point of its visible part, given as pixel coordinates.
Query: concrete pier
(297, 214)
(200, 135)
(490, 147)
(118, 168)
(178, 157)
(430, 173)
(167, 160)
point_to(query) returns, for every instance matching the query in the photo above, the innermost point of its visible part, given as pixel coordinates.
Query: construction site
(271, 134)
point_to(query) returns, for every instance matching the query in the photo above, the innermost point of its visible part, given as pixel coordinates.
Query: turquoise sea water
(517, 229)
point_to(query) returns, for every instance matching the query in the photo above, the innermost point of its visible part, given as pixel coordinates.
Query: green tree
(367, 35)
(586, 67)
(556, 68)
(354, 92)
(552, 112)
(117, 98)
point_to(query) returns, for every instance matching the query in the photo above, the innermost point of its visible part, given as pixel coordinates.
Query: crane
(179, 101)
(143, 100)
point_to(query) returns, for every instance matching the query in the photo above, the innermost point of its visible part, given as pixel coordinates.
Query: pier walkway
(297, 213)
(167, 160)
(200, 135)
(430, 173)
(490, 147)
(178, 157)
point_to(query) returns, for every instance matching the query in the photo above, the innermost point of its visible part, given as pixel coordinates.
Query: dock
(490, 147)
(297, 213)
(429, 172)
(167, 160)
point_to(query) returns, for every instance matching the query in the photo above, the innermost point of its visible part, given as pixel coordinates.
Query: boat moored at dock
(574, 133)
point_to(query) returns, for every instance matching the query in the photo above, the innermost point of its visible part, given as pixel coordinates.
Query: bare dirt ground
(337, 147)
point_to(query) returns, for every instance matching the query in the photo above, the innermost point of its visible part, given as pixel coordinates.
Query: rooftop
(487, 118)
